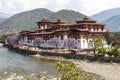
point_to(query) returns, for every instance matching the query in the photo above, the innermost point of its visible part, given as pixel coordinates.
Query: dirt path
(107, 70)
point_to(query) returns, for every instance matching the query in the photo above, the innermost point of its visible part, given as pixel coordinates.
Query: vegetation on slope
(26, 20)
(113, 39)
(113, 23)
(2, 19)
(106, 14)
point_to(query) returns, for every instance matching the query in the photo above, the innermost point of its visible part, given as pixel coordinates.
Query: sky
(87, 7)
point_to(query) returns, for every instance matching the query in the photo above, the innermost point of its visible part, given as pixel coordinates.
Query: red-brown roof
(45, 33)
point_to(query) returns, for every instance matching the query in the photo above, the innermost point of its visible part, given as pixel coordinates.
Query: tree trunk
(111, 59)
(94, 51)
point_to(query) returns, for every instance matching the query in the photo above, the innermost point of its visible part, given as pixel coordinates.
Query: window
(78, 40)
(45, 26)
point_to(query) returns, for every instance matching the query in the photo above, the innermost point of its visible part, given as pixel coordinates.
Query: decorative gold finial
(45, 19)
(86, 18)
(60, 21)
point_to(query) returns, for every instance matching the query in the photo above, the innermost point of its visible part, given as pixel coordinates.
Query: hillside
(104, 15)
(2, 19)
(26, 20)
(113, 23)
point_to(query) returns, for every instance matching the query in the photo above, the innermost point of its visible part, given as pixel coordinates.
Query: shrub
(68, 71)
(102, 51)
(116, 52)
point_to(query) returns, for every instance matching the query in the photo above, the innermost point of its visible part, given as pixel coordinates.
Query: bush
(68, 71)
(102, 51)
(110, 53)
(116, 52)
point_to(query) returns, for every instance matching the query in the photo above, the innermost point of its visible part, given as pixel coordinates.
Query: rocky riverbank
(110, 71)
(21, 75)
(106, 70)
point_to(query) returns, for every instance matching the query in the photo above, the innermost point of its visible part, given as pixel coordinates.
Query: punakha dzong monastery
(81, 30)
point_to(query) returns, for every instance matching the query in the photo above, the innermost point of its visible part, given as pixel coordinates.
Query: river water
(12, 60)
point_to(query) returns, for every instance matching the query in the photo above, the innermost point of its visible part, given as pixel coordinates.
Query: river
(12, 60)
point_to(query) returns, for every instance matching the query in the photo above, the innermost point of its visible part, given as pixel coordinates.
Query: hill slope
(113, 23)
(104, 15)
(2, 19)
(26, 20)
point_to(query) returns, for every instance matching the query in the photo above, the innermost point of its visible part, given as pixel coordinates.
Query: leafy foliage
(71, 43)
(69, 71)
(56, 41)
(110, 52)
(102, 51)
(38, 41)
(116, 52)
(4, 36)
(113, 39)
(95, 42)
(12, 39)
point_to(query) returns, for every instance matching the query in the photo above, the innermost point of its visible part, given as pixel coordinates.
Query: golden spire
(60, 21)
(86, 18)
(45, 20)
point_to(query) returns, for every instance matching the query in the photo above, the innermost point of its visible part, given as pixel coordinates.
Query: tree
(3, 37)
(13, 39)
(68, 71)
(95, 42)
(116, 52)
(71, 43)
(55, 41)
(113, 38)
(110, 52)
(38, 41)
(102, 51)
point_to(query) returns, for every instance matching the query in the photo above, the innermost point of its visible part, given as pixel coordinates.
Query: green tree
(113, 38)
(95, 42)
(116, 52)
(3, 37)
(110, 53)
(102, 51)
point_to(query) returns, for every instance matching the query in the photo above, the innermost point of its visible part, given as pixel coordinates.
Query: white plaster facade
(82, 43)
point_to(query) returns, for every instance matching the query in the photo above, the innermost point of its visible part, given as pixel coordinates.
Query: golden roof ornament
(45, 20)
(60, 21)
(86, 18)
